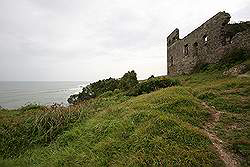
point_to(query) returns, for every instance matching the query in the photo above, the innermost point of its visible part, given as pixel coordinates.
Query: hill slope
(194, 124)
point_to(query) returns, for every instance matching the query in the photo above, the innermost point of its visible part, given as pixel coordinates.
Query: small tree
(128, 81)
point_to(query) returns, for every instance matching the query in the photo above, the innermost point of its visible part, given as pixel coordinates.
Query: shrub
(107, 94)
(128, 81)
(152, 85)
(98, 88)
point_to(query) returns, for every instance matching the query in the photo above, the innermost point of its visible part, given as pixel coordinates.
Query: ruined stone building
(205, 45)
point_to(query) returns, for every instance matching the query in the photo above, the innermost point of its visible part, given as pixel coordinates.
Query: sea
(15, 94)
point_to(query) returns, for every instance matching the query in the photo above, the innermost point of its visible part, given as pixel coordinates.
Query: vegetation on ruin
(232, 29)
(160, 125)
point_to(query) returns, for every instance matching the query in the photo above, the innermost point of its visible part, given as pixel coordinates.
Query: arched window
(185, 50)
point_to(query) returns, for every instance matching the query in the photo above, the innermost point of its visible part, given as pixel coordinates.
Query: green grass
(140, 131)
(234, 129)
(230, 95)
(161, 128)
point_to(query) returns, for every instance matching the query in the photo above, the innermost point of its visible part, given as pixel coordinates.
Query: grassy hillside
(162, 128)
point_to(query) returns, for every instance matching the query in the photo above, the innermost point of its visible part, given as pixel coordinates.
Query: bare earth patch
(229, 158)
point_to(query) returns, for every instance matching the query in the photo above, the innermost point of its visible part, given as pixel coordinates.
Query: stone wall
(206, 44)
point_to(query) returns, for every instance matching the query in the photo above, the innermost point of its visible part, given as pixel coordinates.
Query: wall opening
(185, 50)
(228, 40)
(195, 49)
(205, 39)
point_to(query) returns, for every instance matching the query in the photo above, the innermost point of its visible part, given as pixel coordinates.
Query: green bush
(152, 85)
(98, 88)
(107, 94)
(128, 81)
(86, 94)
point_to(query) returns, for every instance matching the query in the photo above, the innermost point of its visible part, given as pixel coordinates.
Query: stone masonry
(205, 45)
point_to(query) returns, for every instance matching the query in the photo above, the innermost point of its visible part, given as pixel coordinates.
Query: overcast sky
(88, 40)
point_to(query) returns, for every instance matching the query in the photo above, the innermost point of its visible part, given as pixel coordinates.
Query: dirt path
(229, 159)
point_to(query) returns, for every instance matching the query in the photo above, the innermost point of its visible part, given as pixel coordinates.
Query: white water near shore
(14, 94)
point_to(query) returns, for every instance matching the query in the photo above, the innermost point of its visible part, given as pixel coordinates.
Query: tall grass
(40, 127)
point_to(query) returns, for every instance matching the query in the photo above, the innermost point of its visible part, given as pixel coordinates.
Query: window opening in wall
(195, 48)
(228, 40)
(205, 39)
(186, 49)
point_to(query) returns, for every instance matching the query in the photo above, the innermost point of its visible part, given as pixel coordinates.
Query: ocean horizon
(15, 94)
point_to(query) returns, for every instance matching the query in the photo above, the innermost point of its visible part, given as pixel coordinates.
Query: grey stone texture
(236, 70)
(205, 45)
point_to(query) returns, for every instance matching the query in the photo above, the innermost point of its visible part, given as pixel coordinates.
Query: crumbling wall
(205, 45)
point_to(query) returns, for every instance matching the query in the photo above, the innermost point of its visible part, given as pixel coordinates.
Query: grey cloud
(90, 39)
